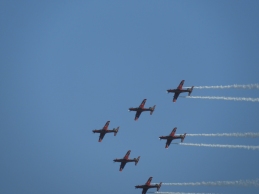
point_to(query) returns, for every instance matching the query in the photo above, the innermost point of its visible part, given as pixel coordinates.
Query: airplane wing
(144, 190)
(122, 165)
(173, 132)
(149, 180)
(180, 85)
(106, 125)
(127, 155)
(142, 103)
(137, 115)
(168, 142)
(175, 96)
(101, 136)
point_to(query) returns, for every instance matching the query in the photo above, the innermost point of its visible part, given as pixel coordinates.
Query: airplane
(171, 137)
(105, 130)
(179, 90)
(148, 186)
(126, 159)
(141, 108)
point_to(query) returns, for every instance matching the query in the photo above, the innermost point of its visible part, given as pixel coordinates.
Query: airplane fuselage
(170, 137)
(103, 131)
(124, 160)
(178, 90)
(140, 109)
(145, 186)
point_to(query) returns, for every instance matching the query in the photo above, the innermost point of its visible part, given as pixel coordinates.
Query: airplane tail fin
(136, 161)
(159, 186)
(183, 137)
(152, 109)
(116, 131)
(190, 91)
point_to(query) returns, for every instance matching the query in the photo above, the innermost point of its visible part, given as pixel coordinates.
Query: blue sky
(67, 67)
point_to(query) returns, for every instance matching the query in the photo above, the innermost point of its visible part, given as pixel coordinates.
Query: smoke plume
(236, 86)
(220, 146)
(249, 134)
(243, 183)
(225, 98)
(178, 193)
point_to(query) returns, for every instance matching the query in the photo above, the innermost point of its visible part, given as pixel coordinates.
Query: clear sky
(67, 67)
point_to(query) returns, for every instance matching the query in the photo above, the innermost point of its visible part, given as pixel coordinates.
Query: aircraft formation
(169, 138)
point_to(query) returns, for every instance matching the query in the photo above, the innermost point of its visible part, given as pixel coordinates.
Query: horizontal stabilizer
(190, 91)
(116, 131)
(183, 137)
(152, 109)
(136, 161)
(159, 186)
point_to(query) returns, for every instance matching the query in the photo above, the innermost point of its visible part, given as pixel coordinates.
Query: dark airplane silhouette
(105, 130)
(171, 137)
(126, 159)
(179, 90)
(141, 108)
(148, 186)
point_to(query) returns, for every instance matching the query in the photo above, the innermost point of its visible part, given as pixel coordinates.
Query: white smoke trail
(225, 98)
(220, 146)
(178, 193)
(249, 134)
(243, 183)
(236, 86)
